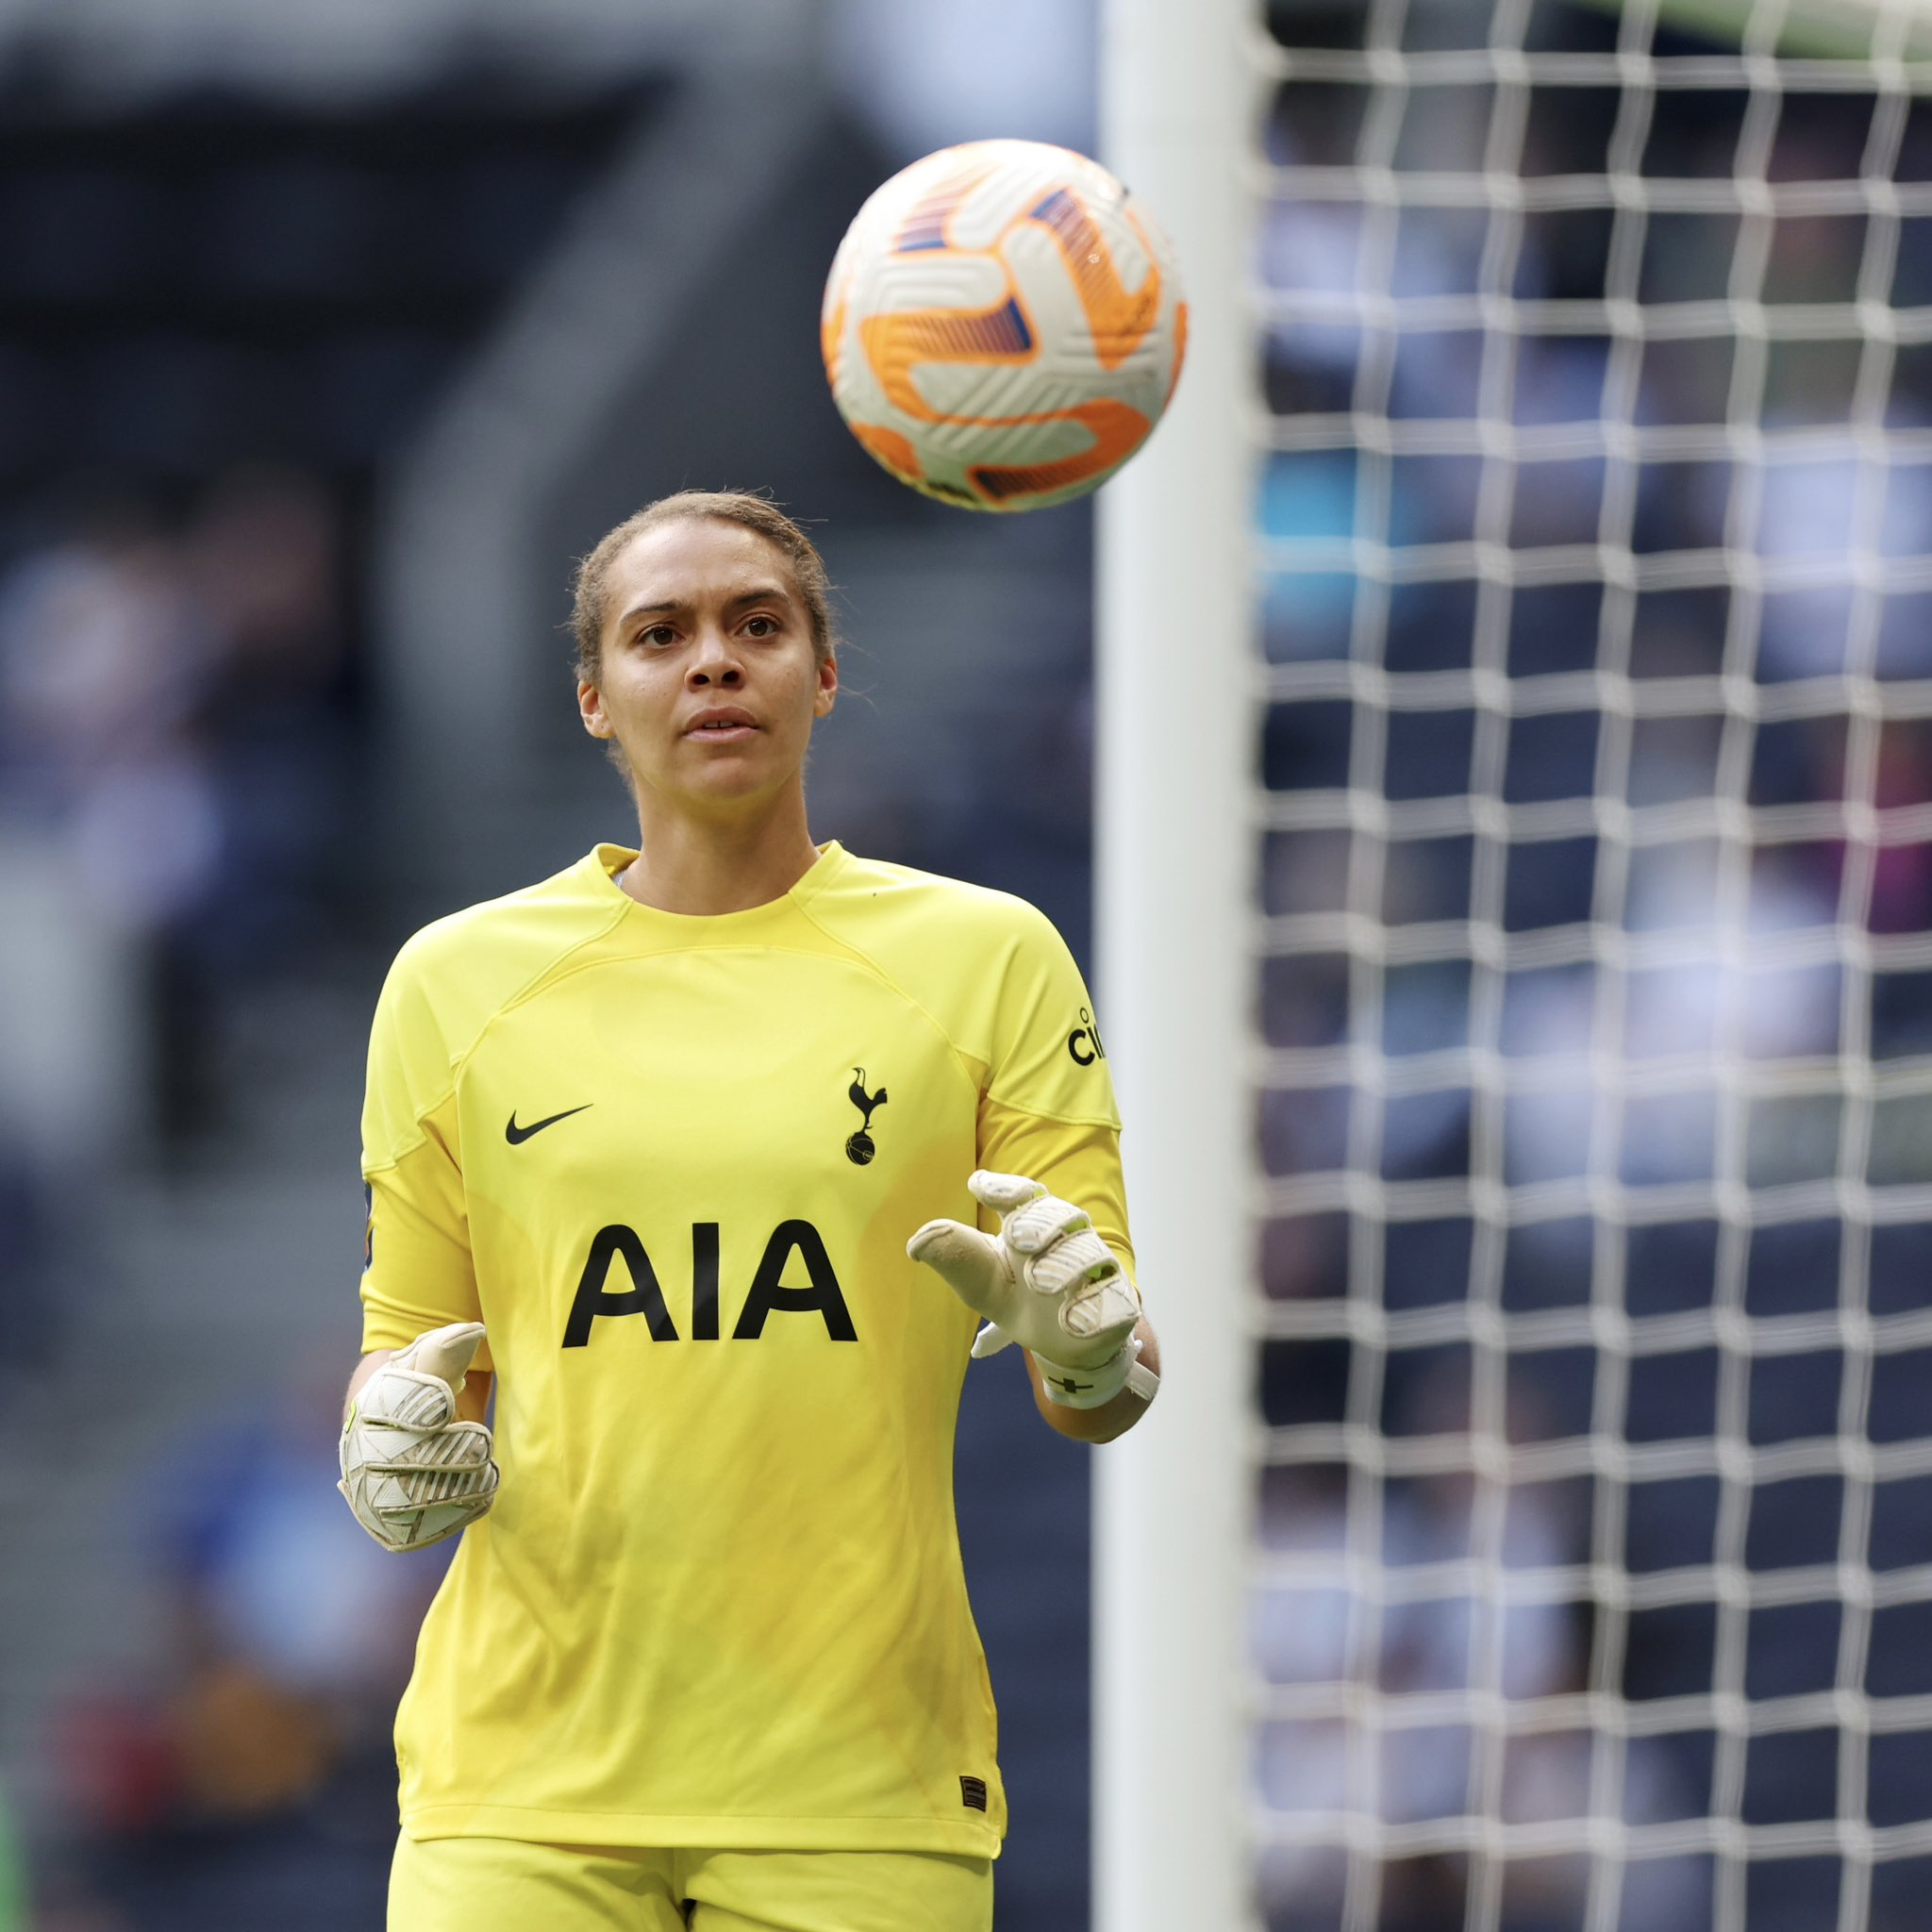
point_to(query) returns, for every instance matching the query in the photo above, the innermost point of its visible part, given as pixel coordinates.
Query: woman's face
(708, 680)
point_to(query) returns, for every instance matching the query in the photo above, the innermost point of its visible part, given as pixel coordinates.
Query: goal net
(1591, 1584)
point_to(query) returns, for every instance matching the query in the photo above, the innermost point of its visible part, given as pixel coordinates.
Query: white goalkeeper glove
(413, 1474)
(1047, 1281)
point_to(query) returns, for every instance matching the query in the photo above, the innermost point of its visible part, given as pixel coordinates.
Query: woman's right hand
(412, 1471)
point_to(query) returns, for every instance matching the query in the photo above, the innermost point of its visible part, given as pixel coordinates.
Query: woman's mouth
(723, 725)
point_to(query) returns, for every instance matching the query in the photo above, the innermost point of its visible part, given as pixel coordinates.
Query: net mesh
(1592, 1578)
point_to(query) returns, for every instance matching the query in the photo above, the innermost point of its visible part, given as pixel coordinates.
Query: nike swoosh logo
(516, 1136)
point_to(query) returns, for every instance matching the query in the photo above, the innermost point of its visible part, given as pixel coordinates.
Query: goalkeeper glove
(1047, 1281)
(413, 1474)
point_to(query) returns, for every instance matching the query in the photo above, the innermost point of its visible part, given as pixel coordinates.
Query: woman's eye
(762, 627)
(658, 634)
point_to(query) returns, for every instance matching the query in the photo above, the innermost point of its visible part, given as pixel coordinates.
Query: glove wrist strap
(1093, 1388)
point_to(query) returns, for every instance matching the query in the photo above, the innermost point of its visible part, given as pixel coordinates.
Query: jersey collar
(605, 861)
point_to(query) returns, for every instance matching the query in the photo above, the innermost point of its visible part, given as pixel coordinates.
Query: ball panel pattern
(1001, 327)
(925, 225)
(1118, 320)
(1180, 351)
(1118, 432)
(891, 451)
(896, 347)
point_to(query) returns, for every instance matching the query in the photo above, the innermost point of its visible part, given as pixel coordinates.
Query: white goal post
(1175, 712)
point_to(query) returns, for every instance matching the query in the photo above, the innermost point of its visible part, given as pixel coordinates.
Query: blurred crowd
(174, 772)
(175, 766)
(249, 1778)
(167, 726)
(1750, 947)
(175, 769)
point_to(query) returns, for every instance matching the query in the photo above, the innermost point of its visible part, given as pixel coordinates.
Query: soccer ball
(1002, 326)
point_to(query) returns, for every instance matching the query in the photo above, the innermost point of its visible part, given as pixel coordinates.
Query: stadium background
(328, 335)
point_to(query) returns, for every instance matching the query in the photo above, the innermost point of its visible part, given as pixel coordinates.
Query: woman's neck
(706, 866)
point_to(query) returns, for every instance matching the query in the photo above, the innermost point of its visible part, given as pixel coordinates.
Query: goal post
(1175, 714)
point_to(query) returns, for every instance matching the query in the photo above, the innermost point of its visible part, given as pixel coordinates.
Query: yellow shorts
(507, 1885)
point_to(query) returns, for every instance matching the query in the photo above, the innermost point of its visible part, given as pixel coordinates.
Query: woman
(649, 1139)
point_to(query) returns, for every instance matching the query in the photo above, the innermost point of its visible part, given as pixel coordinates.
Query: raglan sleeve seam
(446, 1088)
(966, 1061)
(1048, 1114)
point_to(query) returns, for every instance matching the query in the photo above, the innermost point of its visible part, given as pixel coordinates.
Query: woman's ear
(591, 710)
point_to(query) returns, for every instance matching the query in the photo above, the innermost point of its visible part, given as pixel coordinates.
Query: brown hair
(755, 513)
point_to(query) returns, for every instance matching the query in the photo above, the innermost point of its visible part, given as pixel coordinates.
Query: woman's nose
(714, 661)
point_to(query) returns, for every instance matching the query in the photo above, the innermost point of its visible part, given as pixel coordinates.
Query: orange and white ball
(1003, 324)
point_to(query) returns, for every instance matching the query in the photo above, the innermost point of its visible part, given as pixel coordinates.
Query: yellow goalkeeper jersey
(671, 1163)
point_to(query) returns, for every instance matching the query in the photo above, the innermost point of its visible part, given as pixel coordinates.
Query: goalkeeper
(696, 1175)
